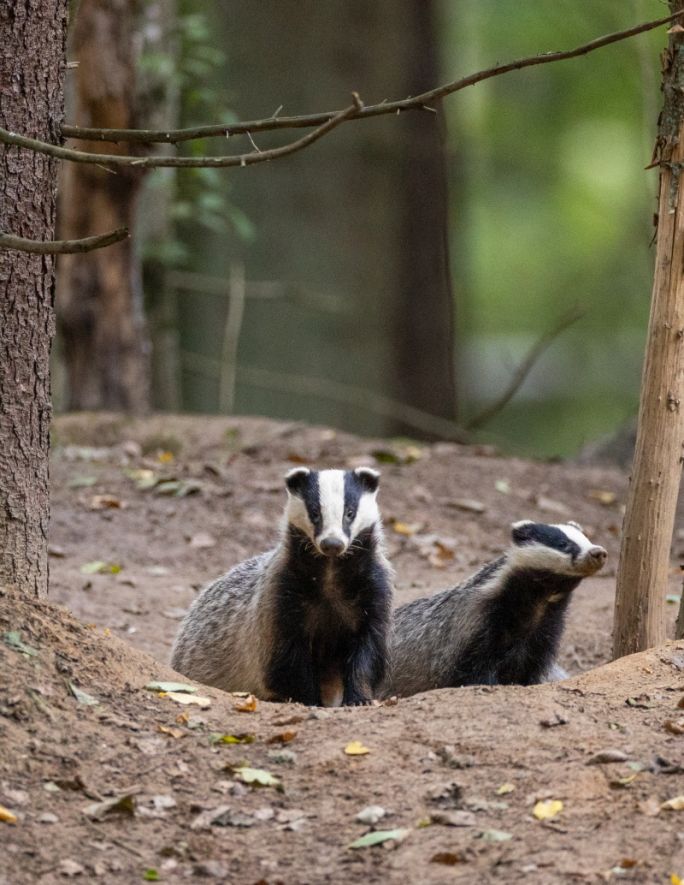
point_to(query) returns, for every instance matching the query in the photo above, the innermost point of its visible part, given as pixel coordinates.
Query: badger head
(562, 549)
(332, 507)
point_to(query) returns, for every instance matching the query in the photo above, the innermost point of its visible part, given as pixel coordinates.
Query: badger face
(562, 549)
(332, 507)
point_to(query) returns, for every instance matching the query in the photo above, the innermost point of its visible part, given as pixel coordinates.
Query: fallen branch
(62, 247)
(524, 369)
(417, 102)
(249, 159)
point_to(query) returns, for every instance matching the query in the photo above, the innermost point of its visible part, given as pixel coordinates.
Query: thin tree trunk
(99, 296)
(32, 65)
(651, 504)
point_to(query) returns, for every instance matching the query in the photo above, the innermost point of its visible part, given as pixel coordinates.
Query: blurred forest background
(400, 268)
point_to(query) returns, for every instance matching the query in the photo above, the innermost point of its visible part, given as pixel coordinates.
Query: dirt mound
(458, 771)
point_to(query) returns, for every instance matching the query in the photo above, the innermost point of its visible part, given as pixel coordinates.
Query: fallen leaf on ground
(547, 809)
(248, 705)
(100, 567)
(283, 737)
(470, 505)
(186, 699)
(371, 814)
(7, 816)
(674, 804)
(505, 788)
(171, 686)
(503, 486)
(217, 738)
(81, 482)
(624, 781)
(82, 696)
(495, 836)
(603, 496)
(448, 858)
(256, 777)
(13, 640)
(674, 878)
(151, 875)
(606, 756)
(356, 748)
(674, 726)
(172, 732)
(378, 837)
(406, 528)
(106, 502)
(124, 805)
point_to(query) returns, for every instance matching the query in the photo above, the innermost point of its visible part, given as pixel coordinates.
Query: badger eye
(349, 513)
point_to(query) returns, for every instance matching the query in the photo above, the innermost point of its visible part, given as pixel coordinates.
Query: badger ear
(575, 525)
(369, 478)
(521, 531)
(296, 479)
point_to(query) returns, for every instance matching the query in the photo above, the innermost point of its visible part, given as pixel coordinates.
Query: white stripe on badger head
(367, 514)
(576, 536)
(331, 500)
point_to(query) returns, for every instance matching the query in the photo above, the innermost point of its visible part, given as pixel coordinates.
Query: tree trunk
(99, 295)
(651, 504)
(32, 65)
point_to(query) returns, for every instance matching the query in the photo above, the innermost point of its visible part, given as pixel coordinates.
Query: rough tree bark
(32, 65)
(652, 500)
(99, 296)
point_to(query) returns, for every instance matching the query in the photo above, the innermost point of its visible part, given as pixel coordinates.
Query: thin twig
(386, 107)
(248, 159)
(62, 247)
(524, 369)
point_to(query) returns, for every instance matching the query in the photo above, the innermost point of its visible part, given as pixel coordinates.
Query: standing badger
(500, 626)
(308, 620)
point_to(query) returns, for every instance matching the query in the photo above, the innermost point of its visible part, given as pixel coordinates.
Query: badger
(308, 620)
(500, 626)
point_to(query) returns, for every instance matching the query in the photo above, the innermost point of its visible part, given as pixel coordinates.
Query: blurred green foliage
(551, 207)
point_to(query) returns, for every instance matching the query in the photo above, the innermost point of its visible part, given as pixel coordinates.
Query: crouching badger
(308, 620)
(501, 626)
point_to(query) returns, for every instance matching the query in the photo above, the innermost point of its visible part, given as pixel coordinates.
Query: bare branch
(524, 369)
(415, 103)
(248, 159)
(62, 247)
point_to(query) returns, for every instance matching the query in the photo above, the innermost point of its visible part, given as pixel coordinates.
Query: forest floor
(104, 780)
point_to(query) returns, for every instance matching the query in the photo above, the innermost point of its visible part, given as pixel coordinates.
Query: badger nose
(597, 555)
(331, 546)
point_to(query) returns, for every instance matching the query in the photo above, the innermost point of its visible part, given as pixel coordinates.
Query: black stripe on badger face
(548, 535)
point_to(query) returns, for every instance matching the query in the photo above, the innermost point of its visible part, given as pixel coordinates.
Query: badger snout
(332, 546)
(594, 559)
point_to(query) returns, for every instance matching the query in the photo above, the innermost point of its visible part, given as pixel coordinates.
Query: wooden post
(642, 578)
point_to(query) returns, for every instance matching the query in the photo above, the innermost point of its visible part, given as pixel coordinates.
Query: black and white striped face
(332, 507)
(562, 549)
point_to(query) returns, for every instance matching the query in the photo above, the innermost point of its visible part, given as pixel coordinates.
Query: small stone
(371, 814)
(453, 818)
(282, 757)
(48, 818)
(212, 869)
(70, 868)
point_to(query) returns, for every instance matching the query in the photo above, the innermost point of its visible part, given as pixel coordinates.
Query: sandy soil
(441, 764)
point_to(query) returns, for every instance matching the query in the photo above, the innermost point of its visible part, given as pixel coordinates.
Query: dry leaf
(284, 737)
(674, 726)
(186, 699)
(674, 804)
(448, 858)
(6, 816)
(248, 705)
(603, 496)
(356, 748)
(406, 528)
(505, 788)
(547, 809)
(172, 732)
(377, 837)
(106, 502)
(674, 878)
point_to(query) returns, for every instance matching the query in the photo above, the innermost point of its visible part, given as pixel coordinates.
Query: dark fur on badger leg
(365, 668)
(291, 675)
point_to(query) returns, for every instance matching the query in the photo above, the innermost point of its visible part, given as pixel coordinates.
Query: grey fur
(225, 638)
